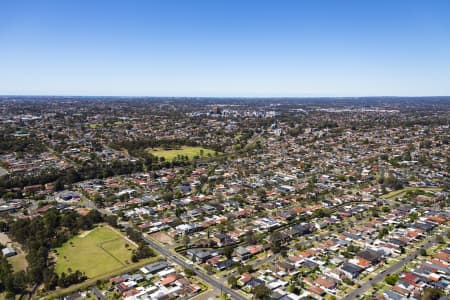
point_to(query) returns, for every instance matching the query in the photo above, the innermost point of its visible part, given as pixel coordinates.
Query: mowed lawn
(191, 152)
(18, 262)
(401, 192)
(95, 252)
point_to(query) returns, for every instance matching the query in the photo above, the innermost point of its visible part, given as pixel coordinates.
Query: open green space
(96, 252)
(18, 262)
(401, 192)
(190, 152)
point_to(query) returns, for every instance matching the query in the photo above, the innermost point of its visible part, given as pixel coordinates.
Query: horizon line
(222, 97)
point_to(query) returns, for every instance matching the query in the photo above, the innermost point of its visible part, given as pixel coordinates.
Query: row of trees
(143, 251)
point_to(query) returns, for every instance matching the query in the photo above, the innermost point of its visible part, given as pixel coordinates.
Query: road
(392, 269)
(235, 295)
(209, 279)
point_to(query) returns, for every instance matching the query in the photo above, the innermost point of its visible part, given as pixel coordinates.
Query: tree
(228, 251)
(250, 238)
(189, 272)
(186, 240)
(384, 231)
(111, 220)
(440, 239)
(292, 288)
(431, 294)
(209, 269)
(232, 281)
(275, 241)
(391, 279)
(143, 251)
(261, 292)
(413, 216)
(423, 252)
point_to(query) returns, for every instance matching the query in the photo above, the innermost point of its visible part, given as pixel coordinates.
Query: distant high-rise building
(216, 110)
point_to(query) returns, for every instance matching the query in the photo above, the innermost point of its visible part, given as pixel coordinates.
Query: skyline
(225, 48)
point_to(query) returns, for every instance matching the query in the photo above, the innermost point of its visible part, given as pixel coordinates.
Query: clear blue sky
(225, 47)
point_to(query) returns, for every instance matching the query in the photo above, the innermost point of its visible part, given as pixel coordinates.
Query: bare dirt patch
(163, 238)
(85, 233)
(4, 239)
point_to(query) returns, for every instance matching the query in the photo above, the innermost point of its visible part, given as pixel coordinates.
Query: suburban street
(392, 269)
(209, 279)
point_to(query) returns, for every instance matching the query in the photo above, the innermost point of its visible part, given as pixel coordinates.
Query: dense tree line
(72, 278)
(391, 182)
(69, 176)
(135, 235)
(12, 283)
(10, 143)
(38, 236)
(143, 251)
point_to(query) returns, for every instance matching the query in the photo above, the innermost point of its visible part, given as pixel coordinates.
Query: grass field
(96, 252)
(18, 262)
(400, 193)
(185, 150)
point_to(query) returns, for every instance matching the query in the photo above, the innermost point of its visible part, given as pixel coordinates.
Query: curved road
(209, 279)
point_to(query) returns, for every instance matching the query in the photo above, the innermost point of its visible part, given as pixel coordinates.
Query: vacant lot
(163, 237)
(95, 252)
(190, 152)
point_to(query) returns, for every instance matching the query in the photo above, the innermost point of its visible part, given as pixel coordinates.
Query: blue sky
(225, 47)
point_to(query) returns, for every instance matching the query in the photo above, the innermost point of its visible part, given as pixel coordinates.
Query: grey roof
(393, 296)
(98, 294)
(370, 255)
(202, 254)
(285, 297)
(309, 264)
(254, 282)
(351, 268)
(241, 251)
(157, 266)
